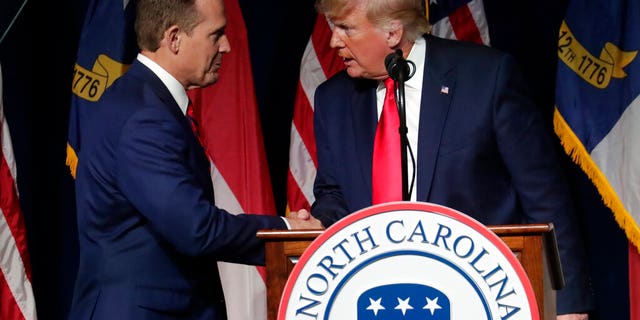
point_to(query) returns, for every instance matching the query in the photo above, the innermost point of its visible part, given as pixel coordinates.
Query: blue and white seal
(408, 260)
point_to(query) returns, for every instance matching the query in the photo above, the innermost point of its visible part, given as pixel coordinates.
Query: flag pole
(12, 21)
(426, 10)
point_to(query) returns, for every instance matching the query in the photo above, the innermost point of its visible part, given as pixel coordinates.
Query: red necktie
(192, 120)
(387, 171)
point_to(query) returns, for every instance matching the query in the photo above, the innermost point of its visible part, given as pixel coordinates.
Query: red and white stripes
(319, 62)
(231, 132)
(16, 295)
(467, 23)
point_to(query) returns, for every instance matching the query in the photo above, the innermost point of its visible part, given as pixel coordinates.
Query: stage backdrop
(38, 55)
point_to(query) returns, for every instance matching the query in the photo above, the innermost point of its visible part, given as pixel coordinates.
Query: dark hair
(154, 17)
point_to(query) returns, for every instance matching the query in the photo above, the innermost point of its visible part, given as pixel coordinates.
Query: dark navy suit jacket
(150, 235)
(483, 149)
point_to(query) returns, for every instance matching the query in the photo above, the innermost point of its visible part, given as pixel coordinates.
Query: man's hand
(573, 316)
(303, 220)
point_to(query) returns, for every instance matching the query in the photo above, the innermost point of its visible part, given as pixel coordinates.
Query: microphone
(398, 67)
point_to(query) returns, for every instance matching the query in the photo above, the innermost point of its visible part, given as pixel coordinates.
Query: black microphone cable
(400, 70)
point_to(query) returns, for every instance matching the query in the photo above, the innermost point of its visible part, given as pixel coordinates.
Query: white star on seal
(375, 305)
(403, 305)
(432, 305)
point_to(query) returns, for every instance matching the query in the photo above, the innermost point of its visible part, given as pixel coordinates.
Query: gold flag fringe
(578, 153)
(72, 160)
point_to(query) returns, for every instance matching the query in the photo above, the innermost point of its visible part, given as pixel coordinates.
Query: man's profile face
(204, 47)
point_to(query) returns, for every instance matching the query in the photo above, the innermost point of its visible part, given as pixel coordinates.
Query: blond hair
(410, 13)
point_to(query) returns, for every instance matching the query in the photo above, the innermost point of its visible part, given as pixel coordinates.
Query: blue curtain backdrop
(37, 58)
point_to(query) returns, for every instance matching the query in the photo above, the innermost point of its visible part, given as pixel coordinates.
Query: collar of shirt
(417, 55)
(413, 86)
(175, 88)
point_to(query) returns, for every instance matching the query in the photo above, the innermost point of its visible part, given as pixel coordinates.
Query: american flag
(16, 295)
(459, 19)
(454, 19)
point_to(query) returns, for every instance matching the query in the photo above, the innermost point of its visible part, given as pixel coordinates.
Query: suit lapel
(365, 119)
(437, 90)
(164, 94)
(161, 91)
(141, 71)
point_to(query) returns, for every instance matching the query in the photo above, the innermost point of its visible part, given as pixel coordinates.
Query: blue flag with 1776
(598, 109)
(598, 100)
(107, 47)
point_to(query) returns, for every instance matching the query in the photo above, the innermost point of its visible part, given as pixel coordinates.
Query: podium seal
(406, 261)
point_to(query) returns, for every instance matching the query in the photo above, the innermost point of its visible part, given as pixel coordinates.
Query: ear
(395, 33)
(172, 37)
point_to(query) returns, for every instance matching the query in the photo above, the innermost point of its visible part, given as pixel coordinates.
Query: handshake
(302, 219)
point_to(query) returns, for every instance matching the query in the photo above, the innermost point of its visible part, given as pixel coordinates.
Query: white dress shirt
(413, 96)
(175, 87)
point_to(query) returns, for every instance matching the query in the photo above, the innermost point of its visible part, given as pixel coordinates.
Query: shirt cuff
(286, 222)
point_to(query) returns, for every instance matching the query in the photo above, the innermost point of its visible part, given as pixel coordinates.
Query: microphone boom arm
(399, 70)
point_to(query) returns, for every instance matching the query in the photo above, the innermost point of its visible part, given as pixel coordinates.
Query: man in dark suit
(150, 234)
(480, 144)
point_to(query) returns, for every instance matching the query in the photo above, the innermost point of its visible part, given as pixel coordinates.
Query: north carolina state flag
(230, 126)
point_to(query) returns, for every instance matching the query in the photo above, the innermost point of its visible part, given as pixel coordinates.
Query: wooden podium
(533, 244)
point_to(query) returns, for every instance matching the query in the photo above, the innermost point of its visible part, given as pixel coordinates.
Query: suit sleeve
(532, 157)
(329, 205)
(156, 172)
